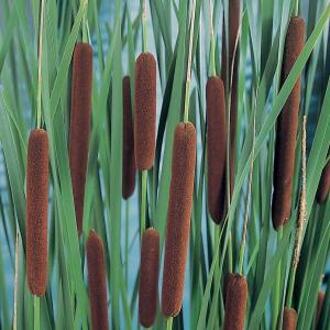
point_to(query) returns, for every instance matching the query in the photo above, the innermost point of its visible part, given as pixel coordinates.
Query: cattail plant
(145, 111)
(290, 318)
(287, 125)
(216, 146)
(36, 211)
(128, 181)
(324, 185)
(149, 277)
(81, 92)
(236, 299)
(178, 217)
(229, 67)
(97, 282)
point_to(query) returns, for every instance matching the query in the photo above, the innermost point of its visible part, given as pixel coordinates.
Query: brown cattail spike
(36, 211)
(230, 75)
(290, 318)
(97, 282)
(320, 301)
(145, 111)
(216, 147)
(236, 299)
(80, 124)
(149, 277)
(128, 180)
(287, 125)
(178, 217)
(324, 185)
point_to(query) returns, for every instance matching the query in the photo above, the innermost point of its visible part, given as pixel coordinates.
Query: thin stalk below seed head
(40, 53)
(188, 79)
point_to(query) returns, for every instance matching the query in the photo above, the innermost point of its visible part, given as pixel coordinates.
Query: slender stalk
(246, 218)
(301, 221)
(16, 280)
(296, 8)
(126, 241)
(143, 201)
(188, 80)
(36, 313)
(85, 22)
(40, 46)
(144, 25)
(212, 41)
(169, 323)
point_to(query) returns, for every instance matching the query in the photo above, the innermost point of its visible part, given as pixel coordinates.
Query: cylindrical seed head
(290, 318)
(128, 181)
(236, 299)
(81, 92)
(145, 111)
(286, 131)
(178, 217)
(37, 212)
(149, 277)
(216, 147)
(97, 282)
(324, 185)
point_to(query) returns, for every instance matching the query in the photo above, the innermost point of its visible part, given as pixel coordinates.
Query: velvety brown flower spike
(97, 282)
(145, 111)
(290, 318)
(236, 299)
(81, 93)
(178, 217)
(37, 212)
(128, 182)
(149, 277)
(286, 130)
(216, 147)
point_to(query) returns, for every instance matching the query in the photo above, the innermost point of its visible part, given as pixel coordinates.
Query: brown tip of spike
(178, 217)
(320, 301)
(81, 93)
(149, 277)
(290, 318)
(324, 185)
(145, 111)
(37, 211)
(216, 146)
(97, 281)
(128, 180)
(287, 126)
(236, 299)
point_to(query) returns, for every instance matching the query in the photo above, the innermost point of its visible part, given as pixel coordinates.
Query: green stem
(40, 46)
(143, 201)
(212, 42)
(36, 313)
(144, 27)
(188, 79)
(296, 8)
(126, 242)
(169, 323)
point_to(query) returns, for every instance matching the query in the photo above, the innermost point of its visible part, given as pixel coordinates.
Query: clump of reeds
(235, 304)
(287, 125)
(97, 281)
(149, 277)
(216, 146)
(128, 179)
(145, 111)
(229, 74)
(37, 211)
(290, 318)
(81, 93)
(324, 185)
(178, 217)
